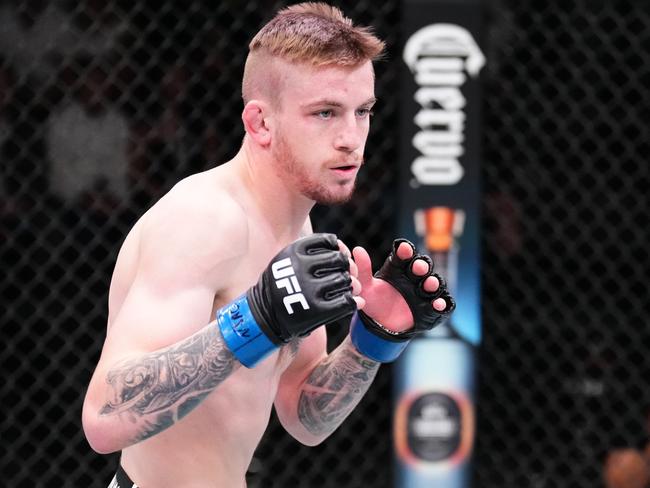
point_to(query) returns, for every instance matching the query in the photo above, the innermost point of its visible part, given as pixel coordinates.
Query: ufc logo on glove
(311, 272)
(285, 277)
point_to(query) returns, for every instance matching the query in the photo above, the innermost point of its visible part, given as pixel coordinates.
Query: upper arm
(182, 260)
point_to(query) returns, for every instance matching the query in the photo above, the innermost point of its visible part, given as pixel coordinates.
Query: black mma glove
(306, 285)
(378, 342)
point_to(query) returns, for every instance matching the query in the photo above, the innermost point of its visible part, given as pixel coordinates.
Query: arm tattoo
(162, 387)
(334, 388)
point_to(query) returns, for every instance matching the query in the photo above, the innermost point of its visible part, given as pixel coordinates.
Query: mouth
(345, 169)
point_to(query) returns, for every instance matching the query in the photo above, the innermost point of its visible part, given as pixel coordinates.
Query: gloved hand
(382, 341)
(306, 285)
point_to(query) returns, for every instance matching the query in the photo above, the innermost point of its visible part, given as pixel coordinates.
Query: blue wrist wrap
(373, 346)
(242, 334)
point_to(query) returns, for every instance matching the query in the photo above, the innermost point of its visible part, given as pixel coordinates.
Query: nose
(350, 136)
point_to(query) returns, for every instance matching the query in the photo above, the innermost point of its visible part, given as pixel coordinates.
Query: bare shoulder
(199, 223)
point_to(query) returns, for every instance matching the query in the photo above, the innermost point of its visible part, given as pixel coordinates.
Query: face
(320, 129)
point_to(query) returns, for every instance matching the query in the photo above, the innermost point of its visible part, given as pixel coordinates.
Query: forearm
(145, 395)
(333, 389)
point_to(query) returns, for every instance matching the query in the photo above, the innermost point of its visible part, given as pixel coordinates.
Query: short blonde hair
(312, 33)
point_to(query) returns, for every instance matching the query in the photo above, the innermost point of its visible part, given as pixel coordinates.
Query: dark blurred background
(105, 105)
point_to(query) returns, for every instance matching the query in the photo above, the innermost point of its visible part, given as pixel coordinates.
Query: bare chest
(247, 269)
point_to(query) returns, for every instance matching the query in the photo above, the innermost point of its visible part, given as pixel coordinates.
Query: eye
(364, 112)
(324, 114)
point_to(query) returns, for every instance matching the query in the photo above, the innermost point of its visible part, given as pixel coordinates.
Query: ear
(255, 117)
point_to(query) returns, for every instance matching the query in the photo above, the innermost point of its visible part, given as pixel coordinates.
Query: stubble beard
(289, 167)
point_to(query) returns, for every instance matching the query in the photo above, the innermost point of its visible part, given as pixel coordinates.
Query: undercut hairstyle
(310, 33)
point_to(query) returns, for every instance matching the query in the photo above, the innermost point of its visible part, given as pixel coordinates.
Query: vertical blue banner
(435, 400)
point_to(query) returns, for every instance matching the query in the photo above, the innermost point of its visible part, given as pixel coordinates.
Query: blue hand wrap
(242, 334)
(373, 346)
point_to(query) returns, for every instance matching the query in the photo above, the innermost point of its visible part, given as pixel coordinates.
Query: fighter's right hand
(306, 285)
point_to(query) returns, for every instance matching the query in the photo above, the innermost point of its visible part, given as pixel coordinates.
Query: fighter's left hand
(383, 302)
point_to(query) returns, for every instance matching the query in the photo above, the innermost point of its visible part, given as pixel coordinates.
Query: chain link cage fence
(564, 375)
(105, 105)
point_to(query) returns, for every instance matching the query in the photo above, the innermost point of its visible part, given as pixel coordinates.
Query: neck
(277, 200)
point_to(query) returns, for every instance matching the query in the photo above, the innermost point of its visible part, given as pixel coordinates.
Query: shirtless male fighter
(221, 289)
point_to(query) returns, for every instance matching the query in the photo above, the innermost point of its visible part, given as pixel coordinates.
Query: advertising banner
(434, 415)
